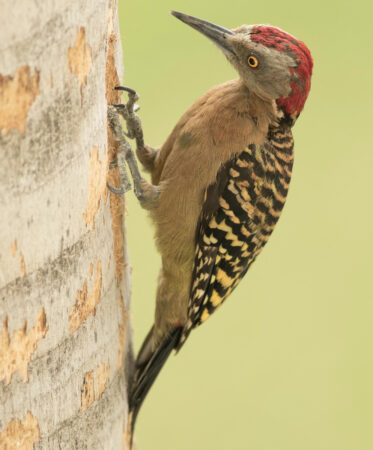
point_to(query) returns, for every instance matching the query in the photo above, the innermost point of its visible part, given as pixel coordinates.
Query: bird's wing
(239, 213)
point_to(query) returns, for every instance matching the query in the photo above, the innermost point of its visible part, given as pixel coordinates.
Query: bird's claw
(119, 191)
(125, 184)
(113, 164)
(136, 107)
(125, 88)
(128, 112)
(132, 96)
(146, 193)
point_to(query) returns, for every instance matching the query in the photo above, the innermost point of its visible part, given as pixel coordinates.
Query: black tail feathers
(146, 373)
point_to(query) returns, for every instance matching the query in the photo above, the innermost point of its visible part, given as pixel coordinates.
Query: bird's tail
(147, 371)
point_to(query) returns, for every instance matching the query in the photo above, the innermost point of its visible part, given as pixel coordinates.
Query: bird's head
(272, 63)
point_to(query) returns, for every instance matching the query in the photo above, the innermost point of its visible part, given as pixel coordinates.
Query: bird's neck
(280, 114)
(283, 119)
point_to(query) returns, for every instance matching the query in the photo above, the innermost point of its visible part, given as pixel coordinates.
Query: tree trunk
(65, 338)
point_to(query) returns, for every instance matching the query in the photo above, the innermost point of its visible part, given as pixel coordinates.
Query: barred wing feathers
(239, 214)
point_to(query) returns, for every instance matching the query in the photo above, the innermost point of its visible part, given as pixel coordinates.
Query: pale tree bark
(65, 337)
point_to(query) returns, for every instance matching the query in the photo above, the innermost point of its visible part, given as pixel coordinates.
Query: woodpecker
(219, 182)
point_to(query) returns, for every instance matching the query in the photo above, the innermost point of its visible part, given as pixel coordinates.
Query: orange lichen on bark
(17, 94)
(16, 356)
(85, 303)
(122, 333)
(80, 58)
(20, 435)
(88, 391)
(97, 186)
(103, 375)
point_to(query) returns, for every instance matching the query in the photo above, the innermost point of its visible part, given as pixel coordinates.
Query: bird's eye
(252, 61)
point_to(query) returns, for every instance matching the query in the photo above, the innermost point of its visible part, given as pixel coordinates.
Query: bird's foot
(123, 149)
(128, 112)
(145, 153)
(146, 193)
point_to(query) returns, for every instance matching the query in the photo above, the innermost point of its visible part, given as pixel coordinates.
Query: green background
(286, 363)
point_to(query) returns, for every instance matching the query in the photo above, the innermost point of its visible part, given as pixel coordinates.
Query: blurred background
(286, 363)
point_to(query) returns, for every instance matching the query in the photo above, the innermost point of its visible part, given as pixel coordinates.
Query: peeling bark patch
(110, 19)
(17, 94)
(91, 271)
(116, 209)
(103, 375)
(126, 437)
(88, 390)
(86, 303)
(97, 187)
(111, 75)
(22, 264)
(20, 435)
(122, 333)
(116, 201)
(14, 248)
(80, 58)
(88, 395)
(17, 355)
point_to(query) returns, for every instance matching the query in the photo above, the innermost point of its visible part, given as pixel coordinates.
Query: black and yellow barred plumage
(239, 214)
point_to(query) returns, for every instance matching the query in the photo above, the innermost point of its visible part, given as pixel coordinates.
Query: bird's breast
(217, 127)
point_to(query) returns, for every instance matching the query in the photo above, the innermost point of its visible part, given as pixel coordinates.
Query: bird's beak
(218, 35)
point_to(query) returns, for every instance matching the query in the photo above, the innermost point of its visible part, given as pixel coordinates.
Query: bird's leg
(145, 153)
(146, 193)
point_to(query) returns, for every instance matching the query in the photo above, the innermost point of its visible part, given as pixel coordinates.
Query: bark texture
(65, 338)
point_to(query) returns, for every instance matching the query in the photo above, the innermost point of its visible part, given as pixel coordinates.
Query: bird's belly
(175, 217)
